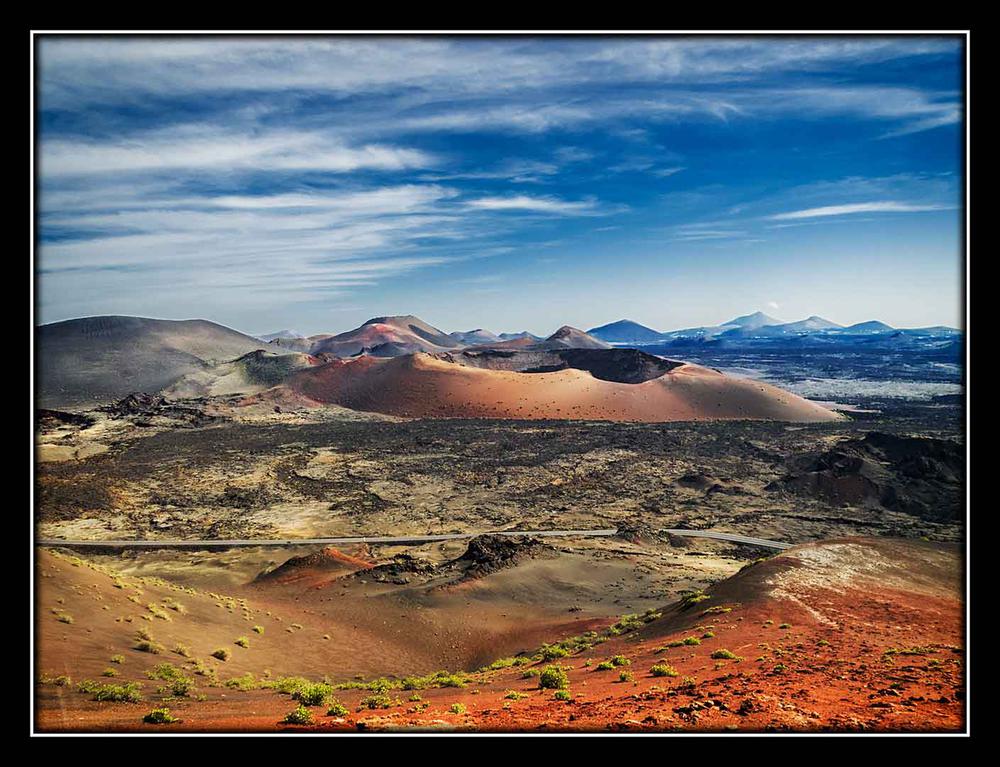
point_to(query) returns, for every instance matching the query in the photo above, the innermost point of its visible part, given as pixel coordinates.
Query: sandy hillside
(423, 386)
(96, 360)
(852, 634)
(387, 336)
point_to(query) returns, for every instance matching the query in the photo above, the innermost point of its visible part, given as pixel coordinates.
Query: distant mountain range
(754, 326)
(98, 359)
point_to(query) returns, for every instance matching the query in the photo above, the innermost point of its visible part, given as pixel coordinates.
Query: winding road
(404, 539)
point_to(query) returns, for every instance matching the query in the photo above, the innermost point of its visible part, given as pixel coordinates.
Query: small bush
(378, 700)
(562, 695)
(553, 678)
(313, 694)
(515, 695)
(693, 598)
(724, 654)
(118, 693)
(144, 645)
(258, 629)
(300, 715)
(159, 716)
(222, 654)
(457, 708)
(337, 709)
(119, 659)
(663, 669)
(620, 660)
(244, 683)
(552, 651)
(241, 642)
(182, 650)
(604, 665)
(110, 672)
(625, 676)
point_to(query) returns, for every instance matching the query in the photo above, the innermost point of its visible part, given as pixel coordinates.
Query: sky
(507, 183)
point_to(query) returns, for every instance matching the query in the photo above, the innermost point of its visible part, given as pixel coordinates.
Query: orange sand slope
(853, 634)
(423, 386)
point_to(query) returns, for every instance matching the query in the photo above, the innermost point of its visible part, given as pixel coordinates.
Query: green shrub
(244, 683)
(222, 654)
(552, 651)
(144, 645)
(378, 700)
(313, 694)
(625, 676)
(724, 654)
(258, 629)
(562, 695)
(119, 693)
(515, 695)
(337, 709)
(300, 715)
(604, 665)
(620, 660)
(663, 669)
(241, 642)
(457, 708)
(159, 716)
(119, 659)
(692, 598)
(553, 678)
(110, 672)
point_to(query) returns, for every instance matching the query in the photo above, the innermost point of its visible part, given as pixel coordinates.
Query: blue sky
(506, 183)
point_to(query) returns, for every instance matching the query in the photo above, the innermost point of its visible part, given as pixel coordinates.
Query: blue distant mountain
(626, 332)
(753, 321)
(866, 328)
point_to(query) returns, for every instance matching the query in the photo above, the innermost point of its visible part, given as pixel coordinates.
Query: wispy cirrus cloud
(202, 147)
(879, 206)
(539, 204)
(252, 171)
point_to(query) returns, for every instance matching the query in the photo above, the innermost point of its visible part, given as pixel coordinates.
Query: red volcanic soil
(844, 635)
(423, 386)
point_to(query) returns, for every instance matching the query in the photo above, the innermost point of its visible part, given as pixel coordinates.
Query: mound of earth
(315, 565)
(144, 409)
(55, 419)
(922, 476)
(250, 374)
(637, 531)
(489, 554)
(573, 338)
(392, 336)
(426, 386)
(398, 570)
(85, 362)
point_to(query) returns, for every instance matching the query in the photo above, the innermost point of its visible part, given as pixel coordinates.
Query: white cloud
(885, 206)
(532, 204)
(200, 147)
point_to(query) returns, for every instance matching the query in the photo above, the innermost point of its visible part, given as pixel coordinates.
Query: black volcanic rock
(488, 554)
(922, 476)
